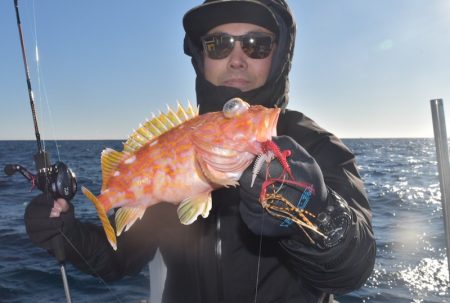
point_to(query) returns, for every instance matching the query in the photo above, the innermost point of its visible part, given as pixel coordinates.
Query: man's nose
(237, 58)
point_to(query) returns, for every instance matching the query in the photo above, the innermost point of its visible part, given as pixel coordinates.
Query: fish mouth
(274, 121)
(270, 125)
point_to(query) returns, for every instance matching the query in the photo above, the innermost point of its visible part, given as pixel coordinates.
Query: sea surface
(401, 178)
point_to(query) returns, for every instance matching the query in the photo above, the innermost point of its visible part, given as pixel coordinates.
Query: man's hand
(60, 205)
(304, 169)
(46, 217)
(308, 195)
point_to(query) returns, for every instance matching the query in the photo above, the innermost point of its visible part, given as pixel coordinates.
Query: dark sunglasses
(256, 45)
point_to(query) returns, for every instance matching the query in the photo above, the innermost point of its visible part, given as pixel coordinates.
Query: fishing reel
(57, 179)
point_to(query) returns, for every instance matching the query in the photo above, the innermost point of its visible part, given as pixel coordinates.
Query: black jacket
(218, 259)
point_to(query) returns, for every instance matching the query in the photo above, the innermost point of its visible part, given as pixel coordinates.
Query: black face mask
(274, 93)
(212, 98)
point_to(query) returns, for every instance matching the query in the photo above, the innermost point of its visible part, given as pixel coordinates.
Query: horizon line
(124, 139)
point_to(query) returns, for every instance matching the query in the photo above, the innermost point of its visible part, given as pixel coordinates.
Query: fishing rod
(57, 179)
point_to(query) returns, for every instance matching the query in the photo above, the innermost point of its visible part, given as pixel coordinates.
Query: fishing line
(259, 256)
(260, 244)
(43, 96)
(36, 56)
(96, 274)
(57, 179)
(42, 88)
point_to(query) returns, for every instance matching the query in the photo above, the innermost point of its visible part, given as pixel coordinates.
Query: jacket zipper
(218, 251)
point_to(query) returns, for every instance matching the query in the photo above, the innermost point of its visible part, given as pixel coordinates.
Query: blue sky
(360, 69)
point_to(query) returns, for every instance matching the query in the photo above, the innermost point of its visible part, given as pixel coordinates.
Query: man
(241, 253)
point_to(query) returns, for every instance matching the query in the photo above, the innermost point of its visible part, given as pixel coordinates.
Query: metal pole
(440, 138)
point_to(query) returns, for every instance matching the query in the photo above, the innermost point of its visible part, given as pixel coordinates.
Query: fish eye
(234, 107)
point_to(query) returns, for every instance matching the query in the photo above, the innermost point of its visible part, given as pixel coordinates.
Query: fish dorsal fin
(110, 160)
(158, 125)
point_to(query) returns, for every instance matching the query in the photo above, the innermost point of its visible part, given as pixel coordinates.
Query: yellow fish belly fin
(110, 160)
(158, 125)
(126, 217)
(109, 231)
(192, 207)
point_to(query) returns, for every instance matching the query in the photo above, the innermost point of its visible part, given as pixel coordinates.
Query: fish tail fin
(109, 230)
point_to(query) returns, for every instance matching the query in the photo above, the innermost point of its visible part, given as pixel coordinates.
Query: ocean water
(400, 176)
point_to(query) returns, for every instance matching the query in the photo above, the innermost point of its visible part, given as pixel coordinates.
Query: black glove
(42, 229)
(308, 195)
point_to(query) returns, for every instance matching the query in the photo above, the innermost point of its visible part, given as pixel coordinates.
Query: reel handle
(58, 179)
(11, 169)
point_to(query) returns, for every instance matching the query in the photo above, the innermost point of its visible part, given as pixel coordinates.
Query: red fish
(181, 157)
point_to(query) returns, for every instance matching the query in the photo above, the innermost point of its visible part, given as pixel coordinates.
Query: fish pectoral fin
(109, 231)
(215, 176)
(126, 217)
(192, 207)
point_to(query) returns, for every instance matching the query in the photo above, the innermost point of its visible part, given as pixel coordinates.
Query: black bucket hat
(199, 20)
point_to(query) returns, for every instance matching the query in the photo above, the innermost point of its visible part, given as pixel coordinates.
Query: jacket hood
(274, 93)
